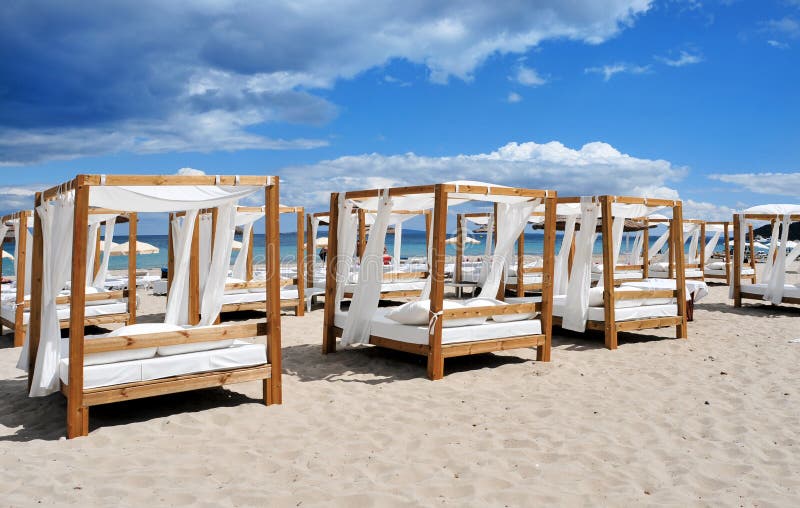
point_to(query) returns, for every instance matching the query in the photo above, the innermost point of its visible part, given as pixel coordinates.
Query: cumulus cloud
(528, 76)
(595, 168)
(190, 172)
(14, 198)
(777, 44)
(609, 71)
(776, 184)
(152, 76)
(786, 26)
(685, 58)
(513, 97)
(706, 211)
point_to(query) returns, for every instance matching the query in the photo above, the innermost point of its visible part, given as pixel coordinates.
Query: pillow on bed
(129, 354)
(237, 291)
(716, 265)
(596, 296)
(194, 347)
(417, 313)
(662, 266)
(93, 291)
(505, 318)
(597, 268)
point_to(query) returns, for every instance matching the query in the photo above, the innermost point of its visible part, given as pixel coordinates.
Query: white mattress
(620, 275)
(240, 354)
(117, 307)
(386, 287)
(789, 290)
(690, 272)
(745, 271)
(621, 314)
(530, 278)
(382, 326)
(261, 296)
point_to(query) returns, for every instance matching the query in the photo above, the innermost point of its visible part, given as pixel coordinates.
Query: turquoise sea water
(413, 246)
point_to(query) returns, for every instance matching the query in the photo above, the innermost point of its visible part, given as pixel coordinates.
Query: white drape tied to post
(57, 217)
(19, 230)
(3, 232)
(511, 222)
(576, 310)
(182, 231)
(245, 220)
(561, 269)
(425, 294)
(370, 278)
(313, 246)
(99, 281)
(742, 241)
(486, 260)
(769, 263)
(397, 244)
(347, 230)
(693, 231)
(204, 248)
(658, 245)
(211, 302)
(711, 246)
(777, 276)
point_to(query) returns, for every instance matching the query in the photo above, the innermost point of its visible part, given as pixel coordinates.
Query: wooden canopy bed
(715, 270)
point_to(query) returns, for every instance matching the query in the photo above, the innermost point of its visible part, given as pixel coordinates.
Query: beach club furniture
(693, 232)
(244, 288)
(432, 326)
(715, 269)
(773, 288)
(400, 280)
(634, 305)
(186, 352)
(103, 306)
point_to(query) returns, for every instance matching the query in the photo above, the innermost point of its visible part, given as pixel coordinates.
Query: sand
(712, 420)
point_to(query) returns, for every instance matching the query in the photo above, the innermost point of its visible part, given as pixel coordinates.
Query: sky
(689, 99)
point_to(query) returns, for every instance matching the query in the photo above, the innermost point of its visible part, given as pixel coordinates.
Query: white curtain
(240, 265)
(742, 241)
(3, 232)
(347, 230)
(398, 242)
(710, 246)
(57, 217)
(576, 310)
(91, 247)
(777, 277)
(204, 247)
(486, 260)
(511, 222)
(773, 247)
(313, 247)
(636, 252)
(99, 282)
(658, 245)
(20, 229)
(212, 292)
(425, 294)
(177, 312)
(561, 269)
(694, 235)
(617, 228)
(370, 277)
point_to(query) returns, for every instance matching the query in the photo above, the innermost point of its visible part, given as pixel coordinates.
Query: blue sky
(677, 98)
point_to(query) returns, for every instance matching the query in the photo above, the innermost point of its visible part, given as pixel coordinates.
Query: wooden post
(311, 251)
(646, 250)
(362, 232)
(458, 273)
(680, 267)
(37, 268)
(194, 274)
(22, 254)
(521, 264)
(752, 237)
(273, 386)
(97, 253)
(133, 219)
(548, 267)
(609, 306)
(435, 356)
(331, 307)
(77, 413)
(301, 293)
(170, 253)
(249, 259)
(737, 261)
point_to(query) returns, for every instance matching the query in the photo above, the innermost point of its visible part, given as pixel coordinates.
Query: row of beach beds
(517, 306)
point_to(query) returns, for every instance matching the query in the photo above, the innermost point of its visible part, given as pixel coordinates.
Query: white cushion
(180, 349)
(231, 280)
(93, 291)
(502, 318)
(662, 266)
(128, 354)
(418, 312)
(716, 265)
(596, 298)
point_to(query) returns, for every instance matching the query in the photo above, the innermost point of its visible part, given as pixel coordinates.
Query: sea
(413, 246)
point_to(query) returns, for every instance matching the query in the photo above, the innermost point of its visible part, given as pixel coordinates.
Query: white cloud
(777, 44)
(706, 211)
(513, 97)
(14, 198)
(595, 168)
(777, 184)
(191, 172)
(528, 76)
(787, 26)
(149, 76)
(685, 58)
(609, 71)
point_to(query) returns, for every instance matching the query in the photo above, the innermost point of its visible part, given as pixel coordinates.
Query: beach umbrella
(6, 255)
(121, 249)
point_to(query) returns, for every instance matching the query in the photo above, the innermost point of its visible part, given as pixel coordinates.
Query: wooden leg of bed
(543, 353)
(19, 336)
(435, 366)
(299, 310)
(77, 421)
(611, 337)
(328, 341)
(267, 392)
(681, 330)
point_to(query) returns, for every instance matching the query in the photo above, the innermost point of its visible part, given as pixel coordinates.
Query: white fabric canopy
(99, 281)
(370, 276)
(244, 220)
(167, 198)
(711, 245)
(776, 276)
(18, 231)
(511, 221)
(774, 209)
(211, 301)
(177, 312)
(347, 230)
(561, 269)
(576, 310)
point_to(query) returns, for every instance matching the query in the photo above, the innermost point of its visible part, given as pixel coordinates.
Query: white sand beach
(711, 420)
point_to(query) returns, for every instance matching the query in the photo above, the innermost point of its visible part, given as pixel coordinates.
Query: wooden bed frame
(609, 325)
(80, 399)
(128, 318)
(298, 304)
(435, 351)
(738, 294)
(671, 272)
(726, 225)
